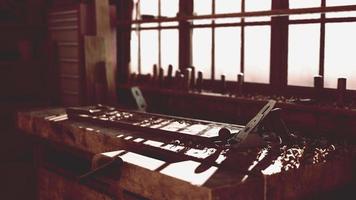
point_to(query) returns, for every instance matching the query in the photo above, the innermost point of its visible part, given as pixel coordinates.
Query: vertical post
(279, 48)
(318, 87)
(107, 30)
(185, 34)
(341, 91)
(124, 13)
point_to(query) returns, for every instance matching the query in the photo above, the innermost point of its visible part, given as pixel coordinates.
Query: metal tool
(237, 139)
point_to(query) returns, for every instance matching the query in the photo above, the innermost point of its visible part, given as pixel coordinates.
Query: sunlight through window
(257, 5)
(169, 8)
(202, 51)
(134, 52)
(227, 52)
(227, 6)
(257, 54)
(341, 3)
(203, 7)
(149, 7)
(149, 50)
(340, 61)
(303, 54)
(304, 4)
(169, 49)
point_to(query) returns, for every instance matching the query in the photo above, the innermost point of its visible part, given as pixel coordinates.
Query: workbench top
(156, 168)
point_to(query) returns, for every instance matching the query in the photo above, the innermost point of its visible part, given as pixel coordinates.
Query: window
(202, 51)
(257, 54)
(293, 4)
(340, 59)
(303, 54)
(341, 3)
(318, 43)
(321, 45)
(154, 43)
(303, 45)
(228, 46)
(227, 52)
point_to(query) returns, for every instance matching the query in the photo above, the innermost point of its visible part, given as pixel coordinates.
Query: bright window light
(202, 51)
(303, 54)
(134, 52)
(227, 52)
(304, 4)
(227, 6)
(149, 50)
(341, 3)
(257, 54)
(202, 7)
(340, 59)
(169, 8)
(149, 7)
(169, 49)
(257, 5)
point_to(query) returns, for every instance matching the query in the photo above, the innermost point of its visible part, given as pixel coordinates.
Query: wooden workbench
(66, 150)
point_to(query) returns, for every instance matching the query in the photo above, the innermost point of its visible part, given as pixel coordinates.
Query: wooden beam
(95, 52)
(271, 13)
(105, 30)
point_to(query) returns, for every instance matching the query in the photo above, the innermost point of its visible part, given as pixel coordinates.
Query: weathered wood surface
(105, 18)
(165, 177)
(95, 64)
(56, 187)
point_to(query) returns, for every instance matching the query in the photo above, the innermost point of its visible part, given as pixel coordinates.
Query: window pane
(169, 8)
(149, 7)
(202, 7)
(169, 49)
(341, 3)
(257, 5)
(202, 51)
(227, 52)
(303, 54)
(149, 50)
(304, 4)
(257, 54)
(340, 59)
(227, 6)
(134, 52)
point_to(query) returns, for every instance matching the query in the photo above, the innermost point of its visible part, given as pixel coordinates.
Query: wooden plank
(95, 56)
(56, 187)
(107, 30)
(68, 68)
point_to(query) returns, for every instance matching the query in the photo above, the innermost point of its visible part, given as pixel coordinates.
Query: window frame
(279, 27)
(292, 90)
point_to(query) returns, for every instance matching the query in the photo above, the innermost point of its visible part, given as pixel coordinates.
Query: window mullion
(159, 35)
(322, 41)
(213, 43)
(242, 52)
